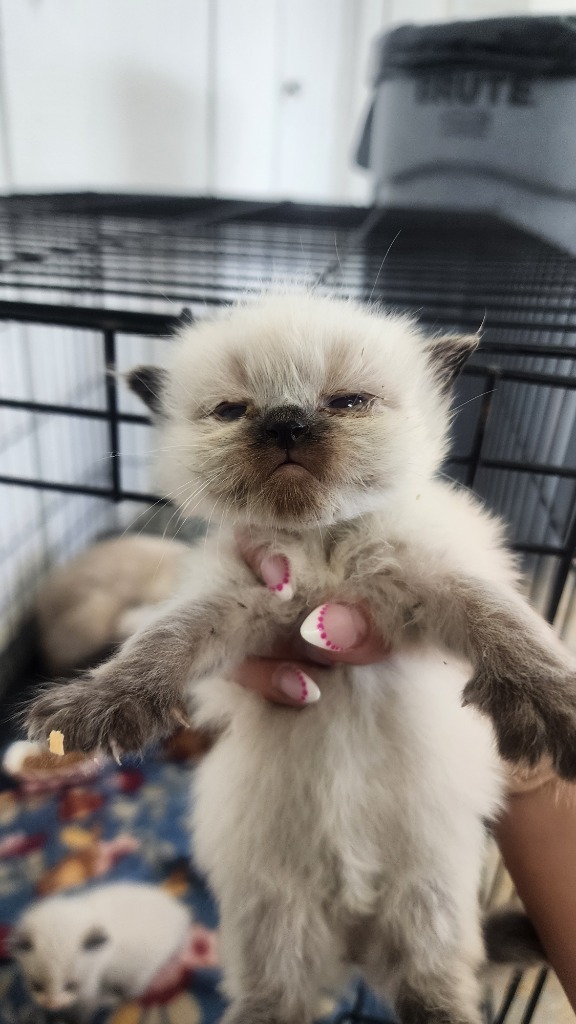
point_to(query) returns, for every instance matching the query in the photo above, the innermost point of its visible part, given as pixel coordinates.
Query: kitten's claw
(116, 752)
(181, 719)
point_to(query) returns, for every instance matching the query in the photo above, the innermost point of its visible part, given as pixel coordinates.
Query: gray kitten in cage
(349, 837)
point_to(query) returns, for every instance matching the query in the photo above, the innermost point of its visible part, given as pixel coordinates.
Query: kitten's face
(297, 411)
(63, 958)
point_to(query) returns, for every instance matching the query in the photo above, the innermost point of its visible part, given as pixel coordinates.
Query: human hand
(331, 634)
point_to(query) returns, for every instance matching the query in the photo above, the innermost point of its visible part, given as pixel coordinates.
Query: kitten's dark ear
(448, 355)
(95, 938)
(20, 942)
(148, 383)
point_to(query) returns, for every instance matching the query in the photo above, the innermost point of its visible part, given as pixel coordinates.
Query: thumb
(343, 633)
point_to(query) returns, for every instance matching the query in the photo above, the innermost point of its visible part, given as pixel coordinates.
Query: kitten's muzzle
(67, 1015)
(285, 426)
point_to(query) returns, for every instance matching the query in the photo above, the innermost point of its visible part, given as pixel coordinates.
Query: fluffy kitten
(97, 948)
(351, 834)
(102, 596)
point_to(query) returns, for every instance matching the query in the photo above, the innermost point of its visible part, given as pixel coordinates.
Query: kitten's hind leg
(450, 997)
(276, 955)
(427, 949)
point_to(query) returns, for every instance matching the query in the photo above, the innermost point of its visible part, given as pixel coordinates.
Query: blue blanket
(125, 824)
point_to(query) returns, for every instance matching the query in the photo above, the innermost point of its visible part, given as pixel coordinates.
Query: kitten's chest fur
(342, 561)
(347, 793)
(350, 562)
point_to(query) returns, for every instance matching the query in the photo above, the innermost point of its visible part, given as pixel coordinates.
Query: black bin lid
(543, 47)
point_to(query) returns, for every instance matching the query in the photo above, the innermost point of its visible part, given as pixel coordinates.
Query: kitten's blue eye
(36, 986)
(347, 401)
(230, 411)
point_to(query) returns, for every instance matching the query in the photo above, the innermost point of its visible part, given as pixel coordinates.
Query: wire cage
(91, 286)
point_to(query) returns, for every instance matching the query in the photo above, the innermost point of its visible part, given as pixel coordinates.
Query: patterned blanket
(126, 823)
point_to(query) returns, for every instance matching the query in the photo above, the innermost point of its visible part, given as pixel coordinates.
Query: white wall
(106, 94)
(255, 98)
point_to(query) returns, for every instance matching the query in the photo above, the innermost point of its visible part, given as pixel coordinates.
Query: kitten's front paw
(70, 708)
(93, 716)
(532, 716)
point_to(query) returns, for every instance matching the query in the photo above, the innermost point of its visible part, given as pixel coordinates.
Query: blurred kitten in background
(98, 948)
(88, 606)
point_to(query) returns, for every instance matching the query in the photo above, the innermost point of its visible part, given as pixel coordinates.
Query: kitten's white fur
(351, 832)
(369, 806)
(143, 925)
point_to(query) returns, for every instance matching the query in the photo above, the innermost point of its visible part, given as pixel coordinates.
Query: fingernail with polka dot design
(334, 627)
(296, 685)
(275, 571)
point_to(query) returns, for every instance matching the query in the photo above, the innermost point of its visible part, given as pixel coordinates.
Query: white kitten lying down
(100, 947)
(351, 835)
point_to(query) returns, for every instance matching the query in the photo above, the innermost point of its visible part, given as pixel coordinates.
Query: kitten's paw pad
(531, 720)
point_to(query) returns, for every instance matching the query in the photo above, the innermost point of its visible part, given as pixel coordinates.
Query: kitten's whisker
(175, 448)
(183, 507)
(199, 490)
(156, 395)
(208, 525)
(384, 258)
(178, 511)
(180, 508)
(186, 511)
(337, 253)
(171, 302)
(221, 526)
(149, 508)
(123, 454)
(179, 530)
(474, 399)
